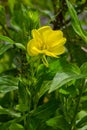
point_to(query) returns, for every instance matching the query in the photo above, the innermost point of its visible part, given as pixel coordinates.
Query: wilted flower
(46, 41)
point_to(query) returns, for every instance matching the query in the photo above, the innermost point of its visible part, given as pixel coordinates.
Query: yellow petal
(43, 29)
(58, 51)
(36, 35)
(58, 43)
(48, 53)
(33, 48)
(45, 32)
(46, 41)
(53, 36)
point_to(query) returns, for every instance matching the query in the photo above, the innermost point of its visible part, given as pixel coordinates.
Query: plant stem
(5, 29)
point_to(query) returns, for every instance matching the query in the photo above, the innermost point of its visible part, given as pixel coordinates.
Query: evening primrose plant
(46, 42)
(43, 65)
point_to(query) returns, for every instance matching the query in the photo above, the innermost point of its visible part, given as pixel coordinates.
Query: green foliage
(33, 96)
(58, 123)
(16, 126)
(61, 78)
(9, 112)
(75, 22)
(4, 47)
(8, 83)
(7, 39)
(11, 4)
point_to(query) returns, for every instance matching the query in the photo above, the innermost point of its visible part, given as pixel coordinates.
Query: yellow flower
(46, 41)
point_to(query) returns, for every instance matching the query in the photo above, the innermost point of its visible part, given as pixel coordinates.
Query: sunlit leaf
(61, 78)
(16, 126)
(8, 112)
(20, 46)
(82, 122)
(7, 39)
(58, 122)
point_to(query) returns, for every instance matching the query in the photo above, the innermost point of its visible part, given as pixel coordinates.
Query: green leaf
(44, 88)
(4, 47)
(11, 4)
(4, 126)
(63, 91)
(75, 22)
(9, 43)
(82, 122)
(83, 128)
(28, 3)
(16, 126)
(81, 114)
(9, 112)
(7, 39)
(20, 46)
(58, 122)
(46, 110)
(23, 103)
(61, 78)
(8, 83)
(83, 68)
